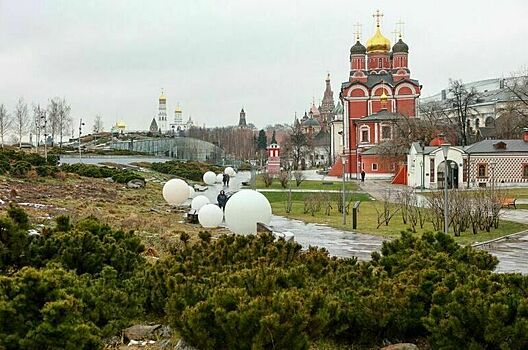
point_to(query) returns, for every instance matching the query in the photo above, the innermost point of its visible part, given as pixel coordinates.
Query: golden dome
(178, 109)
(162, 97)
(384, 97)
(378, 43)
(120, 125)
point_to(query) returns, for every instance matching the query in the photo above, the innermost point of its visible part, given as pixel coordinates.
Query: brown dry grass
(141, 210)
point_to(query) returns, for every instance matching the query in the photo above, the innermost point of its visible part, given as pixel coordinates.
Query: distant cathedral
(162, 126)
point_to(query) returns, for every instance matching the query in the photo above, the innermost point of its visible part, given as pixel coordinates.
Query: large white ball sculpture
(209, 178)
(244, 209)
(199, 201)
(219, 178)
(192, 192)
(230, 171)
(210, 215)
(175, 191)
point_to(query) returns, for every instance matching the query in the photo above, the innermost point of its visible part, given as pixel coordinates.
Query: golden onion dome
(120, 125)
(162, 97)
(378, 43)
(384, 97)
(178, 109)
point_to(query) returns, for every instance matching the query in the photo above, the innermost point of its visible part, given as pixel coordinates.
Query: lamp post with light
(445, 150)
(290, 163)
(81, 124)
(343, 162)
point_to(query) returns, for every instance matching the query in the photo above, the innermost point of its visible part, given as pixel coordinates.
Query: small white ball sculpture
(199, 201)
(244, 209)
(210, 215)
(209, 178)
(191, 192)
(230, 171)
(175, 191)
(219, 178)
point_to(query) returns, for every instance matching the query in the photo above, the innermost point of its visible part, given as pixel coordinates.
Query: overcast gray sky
(113, 57)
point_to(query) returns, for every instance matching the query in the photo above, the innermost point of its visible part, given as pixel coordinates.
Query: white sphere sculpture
(209, 178)
(175, 191)
(230, 171)
(244, 209)
(191, 192)
(199, 201)
(219, 178)
(210, 215)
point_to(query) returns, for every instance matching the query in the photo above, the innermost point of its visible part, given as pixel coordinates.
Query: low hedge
(191, 170)
(95, 171)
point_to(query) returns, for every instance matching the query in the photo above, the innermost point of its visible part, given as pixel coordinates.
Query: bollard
(355, 209)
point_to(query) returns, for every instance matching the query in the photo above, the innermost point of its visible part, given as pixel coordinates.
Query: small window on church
(374, 166)
(525, 171)
(380, 62)
(364, 135)
(385, 132)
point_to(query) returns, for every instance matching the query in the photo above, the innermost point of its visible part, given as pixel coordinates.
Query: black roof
(400, 46)
(382, 115)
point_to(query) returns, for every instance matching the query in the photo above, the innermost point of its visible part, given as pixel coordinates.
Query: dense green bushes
(66, 290)
(191, 170)
(78, 283)
(90, 170)
(19, 163)
(251, 292)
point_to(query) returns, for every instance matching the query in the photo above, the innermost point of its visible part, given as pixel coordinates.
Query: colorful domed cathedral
(378, 92)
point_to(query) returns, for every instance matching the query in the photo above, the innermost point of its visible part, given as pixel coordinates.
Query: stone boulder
(136, 183)
(401, 346)
(182, 345)
(140, 332)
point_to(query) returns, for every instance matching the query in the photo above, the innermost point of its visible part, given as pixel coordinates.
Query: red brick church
(378, 92)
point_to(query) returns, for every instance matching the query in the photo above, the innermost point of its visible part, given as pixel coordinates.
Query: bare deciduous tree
(37, 122)
(21, 120)
(5, 123)
(98, 124)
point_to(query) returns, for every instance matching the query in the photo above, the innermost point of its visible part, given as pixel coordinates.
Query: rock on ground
(401, 346)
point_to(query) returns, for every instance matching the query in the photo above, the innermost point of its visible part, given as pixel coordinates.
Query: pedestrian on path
(222, 200)
(362, 175)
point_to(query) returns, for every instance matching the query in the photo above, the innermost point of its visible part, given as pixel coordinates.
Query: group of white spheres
(219, 178)
(230, 171)
(176, 191)
(209, 178)
(245, 209)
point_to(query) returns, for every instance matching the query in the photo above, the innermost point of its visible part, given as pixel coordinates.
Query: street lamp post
(80, 132)
(43, 117)
(343, 162)
(290, 163)
(423, 164)
(445, 149)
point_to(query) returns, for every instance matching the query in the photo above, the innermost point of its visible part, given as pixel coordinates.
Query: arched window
(477, 123)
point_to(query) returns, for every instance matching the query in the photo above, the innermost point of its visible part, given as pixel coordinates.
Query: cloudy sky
(113, 57)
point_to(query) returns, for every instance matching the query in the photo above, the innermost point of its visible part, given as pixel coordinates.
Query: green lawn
(367, 222)
(517, 193)
(282, 197)
(311, 184)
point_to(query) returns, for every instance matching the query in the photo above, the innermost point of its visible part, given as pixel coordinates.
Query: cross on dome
(357, 31)
(378, 16)
(399, 27)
